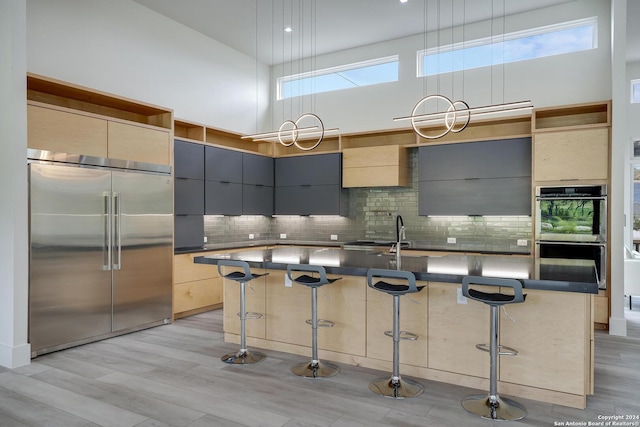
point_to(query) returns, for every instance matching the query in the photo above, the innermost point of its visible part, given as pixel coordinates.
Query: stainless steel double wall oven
(571, 222)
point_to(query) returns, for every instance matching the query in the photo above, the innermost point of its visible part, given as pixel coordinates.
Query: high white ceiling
(255, 27)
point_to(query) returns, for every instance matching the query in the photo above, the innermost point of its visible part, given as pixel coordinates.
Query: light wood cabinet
(196, 287)
(601, 308)
(383, 166)
(202, 295)
(413, 319)
(65, 132)
(199, 287)
(581, 154)
(137, 143)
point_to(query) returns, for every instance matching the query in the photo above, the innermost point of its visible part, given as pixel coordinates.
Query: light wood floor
(172, 376)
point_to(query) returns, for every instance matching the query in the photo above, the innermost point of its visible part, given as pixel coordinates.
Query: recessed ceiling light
(403, 1)
(287, 29)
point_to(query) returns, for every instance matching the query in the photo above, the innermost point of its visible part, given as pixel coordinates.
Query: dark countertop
(253, 243)
(413, 245)
(544, 274)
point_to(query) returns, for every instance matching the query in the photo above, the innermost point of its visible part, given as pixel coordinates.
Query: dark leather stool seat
(242, 356)
(492, 406)
(315, 368)
(403, 282)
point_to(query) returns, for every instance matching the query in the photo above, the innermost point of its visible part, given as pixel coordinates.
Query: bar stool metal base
(315, 369)
(396, 388)
(502, 409)
(243, 357)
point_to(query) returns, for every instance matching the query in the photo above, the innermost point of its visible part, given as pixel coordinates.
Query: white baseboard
(14, 357)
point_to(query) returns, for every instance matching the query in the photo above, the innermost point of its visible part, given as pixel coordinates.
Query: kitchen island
(551, 330)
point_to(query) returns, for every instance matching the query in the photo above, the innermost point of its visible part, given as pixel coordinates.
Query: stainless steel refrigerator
(100, 248)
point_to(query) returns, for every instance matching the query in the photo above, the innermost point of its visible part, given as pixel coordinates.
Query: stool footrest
(404, 335)
(508, 350)
(322, 323)
(251, 315)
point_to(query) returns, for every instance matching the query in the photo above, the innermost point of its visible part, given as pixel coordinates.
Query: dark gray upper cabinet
(188, 160)
(222, 165)
(310, 200)
(237, 183)
(257, 184)
(188, 231)
(476, 178)
(489, 196)
(257, 199)
(318, 169)
(222, 198)
(257, 170)
(310, 185)
(188, 196)
(485, 159)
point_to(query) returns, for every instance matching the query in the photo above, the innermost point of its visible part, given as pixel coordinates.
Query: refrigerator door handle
(106, 247)
(117, 231)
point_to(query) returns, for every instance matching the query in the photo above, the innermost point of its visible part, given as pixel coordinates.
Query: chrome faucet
(400, 234)
(399, 230)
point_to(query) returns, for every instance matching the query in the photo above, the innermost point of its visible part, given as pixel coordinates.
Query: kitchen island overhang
(552, 330)
(552, 274)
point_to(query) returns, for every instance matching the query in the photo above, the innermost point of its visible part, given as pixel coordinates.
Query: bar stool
(395, 387)
(315, 368)
(492, 406)
(242, 356)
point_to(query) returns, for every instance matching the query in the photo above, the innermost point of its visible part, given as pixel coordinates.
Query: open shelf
(572, 116)
(328, 145)
(187, 130)
(231, 140)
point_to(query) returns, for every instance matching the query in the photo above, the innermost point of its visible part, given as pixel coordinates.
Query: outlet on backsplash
(334, 237)
(522, 242)
(451, 240)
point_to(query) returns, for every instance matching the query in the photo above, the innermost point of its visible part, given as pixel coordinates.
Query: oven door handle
(572, 198)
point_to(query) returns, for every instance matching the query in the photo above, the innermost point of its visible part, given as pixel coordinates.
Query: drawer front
(193, 295)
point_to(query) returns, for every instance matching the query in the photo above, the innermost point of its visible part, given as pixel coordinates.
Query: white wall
(14, 350)
(557, 80)
(123, 48)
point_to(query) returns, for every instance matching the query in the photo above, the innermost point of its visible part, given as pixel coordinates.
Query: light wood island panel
(342, 302)
(413, 319)
(455, 329)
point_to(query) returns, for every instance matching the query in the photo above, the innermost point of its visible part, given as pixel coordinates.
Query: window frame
(633, 84)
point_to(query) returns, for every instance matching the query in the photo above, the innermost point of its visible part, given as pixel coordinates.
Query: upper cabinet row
(71, 119)
(218, 181)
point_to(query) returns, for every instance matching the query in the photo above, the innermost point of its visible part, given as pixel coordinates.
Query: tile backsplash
(372, 215)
